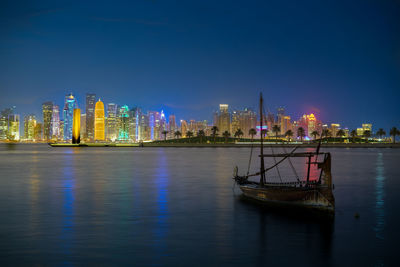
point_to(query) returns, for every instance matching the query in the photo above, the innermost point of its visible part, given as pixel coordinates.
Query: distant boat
(315, 194)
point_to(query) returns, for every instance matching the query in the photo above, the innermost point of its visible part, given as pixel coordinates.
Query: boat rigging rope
(291, 165)
(251, 154)
(273, 166)
(277, 169)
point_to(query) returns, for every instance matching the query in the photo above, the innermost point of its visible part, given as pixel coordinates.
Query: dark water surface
(176, 207)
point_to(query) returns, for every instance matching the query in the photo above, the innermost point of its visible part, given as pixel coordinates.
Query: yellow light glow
(76, 126)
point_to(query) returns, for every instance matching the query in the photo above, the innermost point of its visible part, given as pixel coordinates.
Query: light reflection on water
(168, 207)
(380, 197)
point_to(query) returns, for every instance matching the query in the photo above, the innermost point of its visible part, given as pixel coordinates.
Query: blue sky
(338, 59)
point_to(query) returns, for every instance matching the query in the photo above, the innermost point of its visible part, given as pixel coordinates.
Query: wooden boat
(315, 194)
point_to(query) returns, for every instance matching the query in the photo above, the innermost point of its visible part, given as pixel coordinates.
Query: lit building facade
(90, 107)
(68, 112)
(13, 127)
(123, 125)
(55, 122)
(83, 126)
(29, 127)
(4, 124)
(99, 122)
(223, 119)
(47, 111)
(184, 128)
(76, 126)
(335, 127)
(111, 122)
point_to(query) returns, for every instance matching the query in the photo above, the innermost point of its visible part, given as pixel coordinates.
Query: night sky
(337, 59)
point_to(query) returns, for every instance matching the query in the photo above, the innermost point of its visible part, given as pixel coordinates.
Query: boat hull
(318, 198)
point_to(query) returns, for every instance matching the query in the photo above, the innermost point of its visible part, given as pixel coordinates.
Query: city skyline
(311, 57)
(121, 123)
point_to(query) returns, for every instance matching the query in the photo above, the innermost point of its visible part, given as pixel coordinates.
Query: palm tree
(315, 134)
(301, 133)
(252, 133)
(189, 134)
(214, 130)
(178, 134)
(340, 133)
(367, 134)
(226, 134)
(394, 132)
(326, 133)
(238, 133)
(264, 133)
(165, 134)
(201, 134)
(353, 134)
(276, 129)
(289, 134)
(380, 133)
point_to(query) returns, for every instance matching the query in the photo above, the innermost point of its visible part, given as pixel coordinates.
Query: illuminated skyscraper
(4, 124)
(13, 126)
(90, 107)
(70, 105)
(38, 131)
(224, 119)
(47, 110)
(111, 122)
(184, 128)
(172, 127)
(123, 123)
(335, 128)
(76, 126)
(29, 127)
(99, 128)
(55, 122)
(83, 126)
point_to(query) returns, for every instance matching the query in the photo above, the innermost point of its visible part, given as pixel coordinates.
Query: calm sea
(178, 207)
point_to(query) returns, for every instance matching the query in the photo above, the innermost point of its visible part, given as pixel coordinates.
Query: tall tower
(99, 121)
(90, 107)
(123, 116)
(224, 119)
(29, 127)
(47, 110)
(55, 122)
(76, 126)
(70, 105)
(112, 121)
(13, 128)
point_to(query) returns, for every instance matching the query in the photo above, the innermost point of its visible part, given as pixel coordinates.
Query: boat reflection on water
(307, 228)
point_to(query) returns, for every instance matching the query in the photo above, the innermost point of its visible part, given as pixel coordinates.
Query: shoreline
(218, 145)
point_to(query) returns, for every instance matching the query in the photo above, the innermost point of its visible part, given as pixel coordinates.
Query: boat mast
(262, 168)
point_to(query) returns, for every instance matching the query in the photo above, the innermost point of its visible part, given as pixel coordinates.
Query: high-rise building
(38, 131)
(123, 127)
(90, 107)
(111, 122)
(4, 124)
(335, 128)
(184, 128)
(47, 110)
(224, 119)
(70, 105)
(55, 122)
(13, 126)
(172, 127)
(76, 126)
(83, 126)
(29, 127)
(99, 125)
